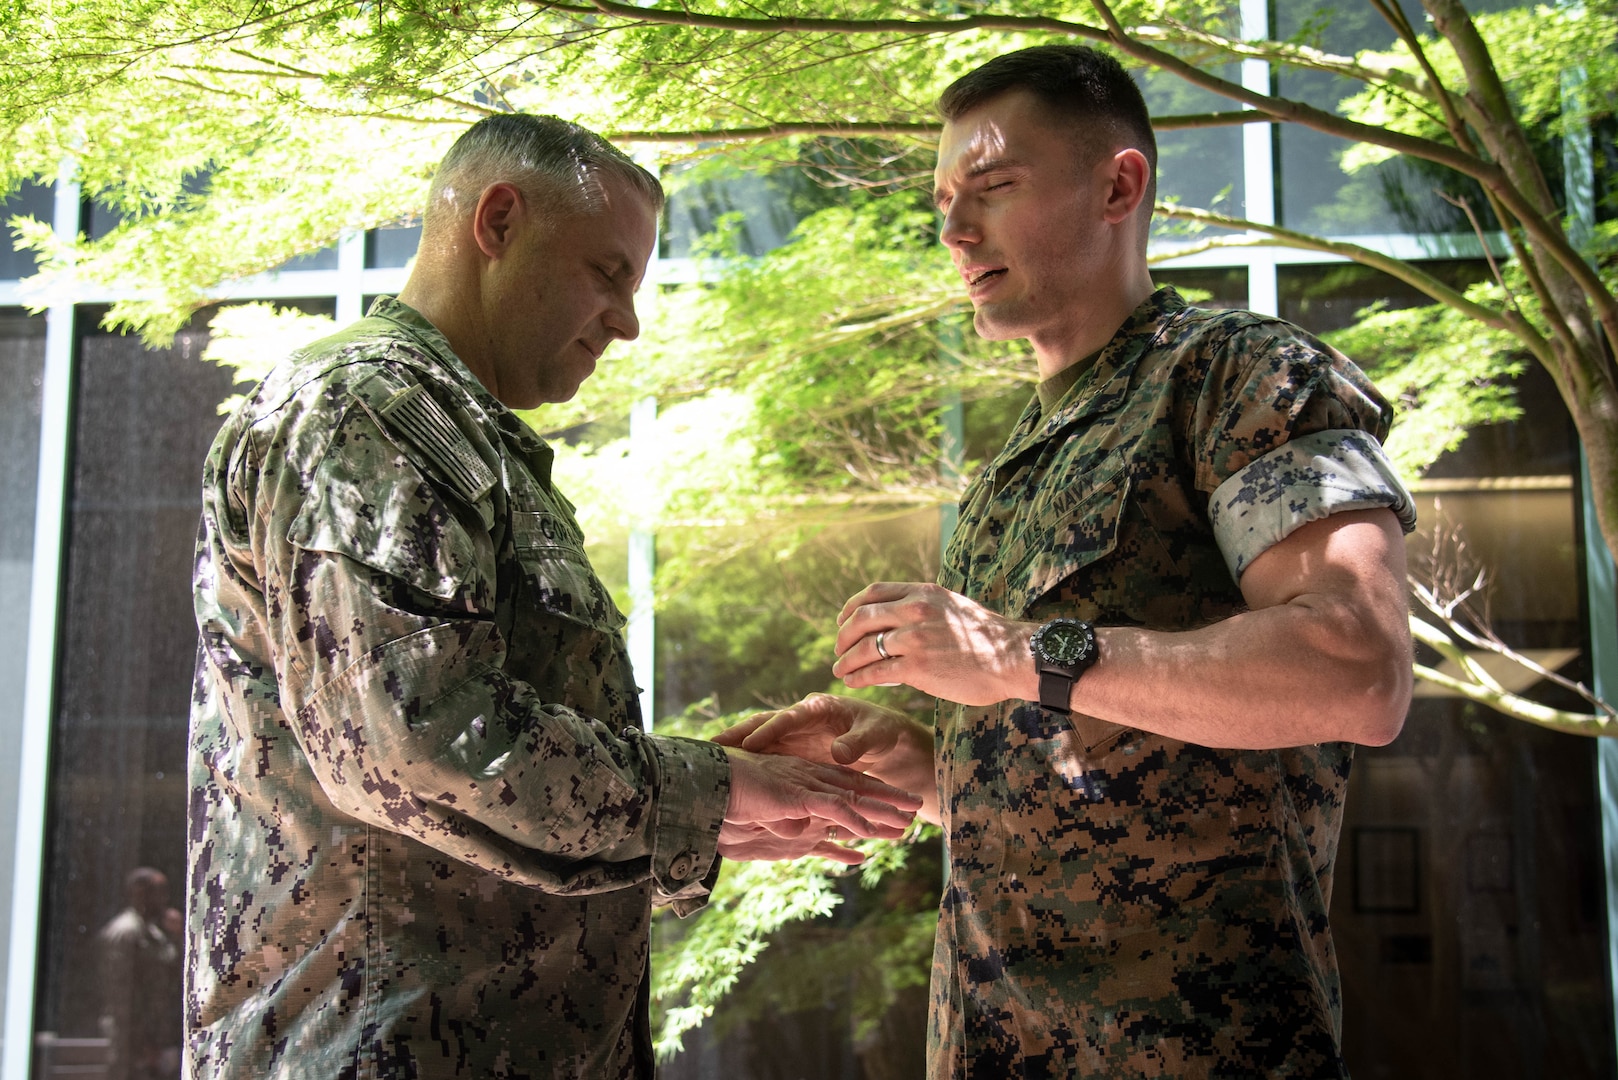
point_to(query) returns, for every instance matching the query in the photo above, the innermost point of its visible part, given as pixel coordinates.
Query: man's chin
(544, 395)
(559, 389)
(990, 328)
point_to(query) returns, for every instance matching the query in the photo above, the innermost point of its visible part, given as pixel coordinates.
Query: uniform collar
(428, 336)
(1105, 384)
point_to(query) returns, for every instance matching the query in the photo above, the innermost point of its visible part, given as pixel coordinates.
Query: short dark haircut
(1077, 84)
(551, 160)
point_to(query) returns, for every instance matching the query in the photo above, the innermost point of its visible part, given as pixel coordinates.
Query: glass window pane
(394, 245)
(1397, 196)
(1476, 945)
(324, 259)
(1214, 287)
(22, 365)
(763, 207)
(1325, 297)
(1198, 167)
(109, 962)
(30, 200)
(1604, 139)
(96, 219)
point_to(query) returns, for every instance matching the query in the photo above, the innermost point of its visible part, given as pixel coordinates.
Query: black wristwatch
(1063, 649)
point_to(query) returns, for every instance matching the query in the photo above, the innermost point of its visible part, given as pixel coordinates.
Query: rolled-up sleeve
(1288, 431)
(1303, 480)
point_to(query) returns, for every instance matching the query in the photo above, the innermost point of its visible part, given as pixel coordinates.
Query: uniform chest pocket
(556, 574)
(1078, 529)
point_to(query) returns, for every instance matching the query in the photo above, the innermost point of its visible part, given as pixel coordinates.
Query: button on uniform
(680, 866)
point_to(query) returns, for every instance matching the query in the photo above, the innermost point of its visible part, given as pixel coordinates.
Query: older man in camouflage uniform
(427, 828)
(1142, 830)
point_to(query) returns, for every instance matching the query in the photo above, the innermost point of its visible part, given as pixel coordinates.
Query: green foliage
(250, 339)
(805, 391)
(864, 960)
(1445, 373)
(750, 902)
(1539, 43)
(701, 960)
(886, 947)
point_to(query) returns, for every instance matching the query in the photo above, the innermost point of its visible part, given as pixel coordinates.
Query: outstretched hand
(786, 807)
(940, 642)
(861, 735)
(756, 843)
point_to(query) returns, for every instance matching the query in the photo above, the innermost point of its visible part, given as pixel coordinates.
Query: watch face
(1066, 642)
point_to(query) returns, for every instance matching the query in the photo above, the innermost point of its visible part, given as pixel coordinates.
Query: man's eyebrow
(978, 168)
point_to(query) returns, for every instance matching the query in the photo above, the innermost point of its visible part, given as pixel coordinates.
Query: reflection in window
(1199, 167)
(324, 259)
(1495, 965)
(751, 208)
(392, 245)
(1215, 287)
(144, 420)
(97, 219)
(757, 206)
(1604, 145)
(1328, 296)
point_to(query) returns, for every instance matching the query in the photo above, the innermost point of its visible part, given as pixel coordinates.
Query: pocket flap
(1076, 537)
(551, 552)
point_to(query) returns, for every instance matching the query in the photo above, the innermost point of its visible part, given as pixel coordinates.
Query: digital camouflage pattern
(426, 829)
(1122, 904)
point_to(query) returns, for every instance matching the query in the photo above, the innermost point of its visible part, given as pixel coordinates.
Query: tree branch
(813, 25)
(1535, 209)
(1520, 708)
(1491, 174)
(1485, 691)
(1486, 172)
(782, 129)
(1404, 271)
(1395, 17)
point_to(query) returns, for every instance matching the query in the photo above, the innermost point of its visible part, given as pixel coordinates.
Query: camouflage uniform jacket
(426, 830)
(1121, 904)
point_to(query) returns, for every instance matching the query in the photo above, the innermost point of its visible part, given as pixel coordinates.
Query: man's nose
(622, 321)
(958, 227)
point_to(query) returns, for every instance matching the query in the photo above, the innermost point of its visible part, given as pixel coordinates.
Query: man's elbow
(1383, 701)
(1384, 722)
(1362, 674)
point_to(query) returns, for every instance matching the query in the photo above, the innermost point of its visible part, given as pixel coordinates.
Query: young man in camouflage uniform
(427, 828)
(1174, 603)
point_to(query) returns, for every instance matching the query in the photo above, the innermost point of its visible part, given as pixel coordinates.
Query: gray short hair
(554, 163)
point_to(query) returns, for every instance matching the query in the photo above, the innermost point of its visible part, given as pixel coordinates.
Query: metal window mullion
(1258, 166)
(641, 633)
(350, 276)
(39, 676)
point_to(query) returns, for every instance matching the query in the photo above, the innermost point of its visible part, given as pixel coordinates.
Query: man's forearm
(1323, 654)
(1285, 676)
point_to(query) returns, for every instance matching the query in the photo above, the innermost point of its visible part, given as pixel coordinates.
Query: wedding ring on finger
(881, 650)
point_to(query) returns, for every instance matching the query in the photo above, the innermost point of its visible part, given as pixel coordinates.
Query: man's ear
(500, 209)
(1130, 176)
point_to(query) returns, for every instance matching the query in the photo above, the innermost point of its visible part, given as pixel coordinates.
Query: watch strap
(1055, 689)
